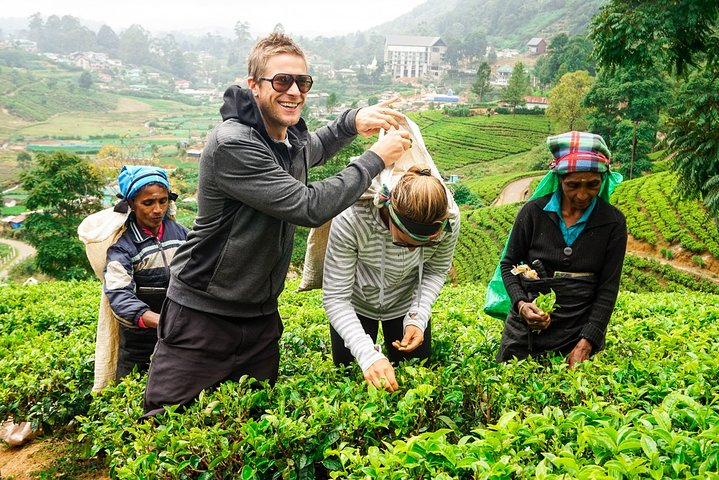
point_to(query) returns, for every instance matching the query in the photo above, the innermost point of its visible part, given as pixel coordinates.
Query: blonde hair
(420, 196)
(276, 43)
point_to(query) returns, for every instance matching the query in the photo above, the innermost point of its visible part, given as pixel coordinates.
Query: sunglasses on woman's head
(281, 82)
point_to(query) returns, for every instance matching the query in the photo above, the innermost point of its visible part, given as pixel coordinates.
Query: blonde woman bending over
(386, 263)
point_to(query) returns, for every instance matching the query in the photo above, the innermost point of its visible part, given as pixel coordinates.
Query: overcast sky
(308, 17)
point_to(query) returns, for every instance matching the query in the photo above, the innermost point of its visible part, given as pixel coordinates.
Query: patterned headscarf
(578, 152)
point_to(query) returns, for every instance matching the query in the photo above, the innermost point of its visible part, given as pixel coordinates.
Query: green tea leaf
(546, 301)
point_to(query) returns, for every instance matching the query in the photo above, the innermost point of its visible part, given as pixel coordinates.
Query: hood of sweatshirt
(240, 104)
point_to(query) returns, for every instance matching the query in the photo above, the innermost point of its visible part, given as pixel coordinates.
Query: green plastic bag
(496, 301)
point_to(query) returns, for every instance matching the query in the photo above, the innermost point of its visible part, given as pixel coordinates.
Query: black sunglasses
(282, 82)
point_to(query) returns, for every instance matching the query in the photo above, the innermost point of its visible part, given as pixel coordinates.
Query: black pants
(136, 347)
(391, 330)
(199, 350)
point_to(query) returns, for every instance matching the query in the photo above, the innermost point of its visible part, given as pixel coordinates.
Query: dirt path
(682, 261)
(23, 251)
(18, 463)
(517, 191)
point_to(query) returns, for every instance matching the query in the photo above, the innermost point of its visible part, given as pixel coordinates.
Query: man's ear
(253, 85)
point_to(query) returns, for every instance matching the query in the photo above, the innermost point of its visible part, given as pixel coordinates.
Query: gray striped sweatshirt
(364, 273)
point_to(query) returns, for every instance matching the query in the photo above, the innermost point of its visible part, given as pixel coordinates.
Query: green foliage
(456, 111)
(677, 34)
(647, 396)
(85, 81)
(564, 55)
(517, 87)
(337, 163)
(656, 215)
(46, 347)
(31, 100)
(60, 253)
(68, 188)
(642, 274)
(546, 301)
(65, 183)
(481, 86)
(481, 239)
(626, 93)
(24, 160)
(464, 196)
(693, 138)
(565, 101)
(631, 145)
(679, 37)
(456, 141)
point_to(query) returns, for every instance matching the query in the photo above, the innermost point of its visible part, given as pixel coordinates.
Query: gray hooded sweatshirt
(252, 193)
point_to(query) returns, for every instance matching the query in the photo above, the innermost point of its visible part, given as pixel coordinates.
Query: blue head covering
(133, 177)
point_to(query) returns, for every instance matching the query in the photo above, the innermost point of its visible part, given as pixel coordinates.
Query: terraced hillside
(670, 227)
(455, 142)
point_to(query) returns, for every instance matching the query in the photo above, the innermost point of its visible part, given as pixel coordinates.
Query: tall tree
(564, 55)
(85, 80)
(135, 46)
(566, 109)
(481, 85)
(517, 87)
(331, 101)
(679, 36)
(107, 39)
(630, 93)
(475, 43)
(66, 187)
(24, 160)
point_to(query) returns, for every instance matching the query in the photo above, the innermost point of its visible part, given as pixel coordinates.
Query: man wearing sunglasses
(220, 320)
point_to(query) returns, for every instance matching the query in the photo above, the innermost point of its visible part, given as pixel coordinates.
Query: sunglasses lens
(282, 82)
(304, 83)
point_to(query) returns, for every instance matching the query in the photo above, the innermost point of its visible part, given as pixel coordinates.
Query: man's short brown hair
(275, 43)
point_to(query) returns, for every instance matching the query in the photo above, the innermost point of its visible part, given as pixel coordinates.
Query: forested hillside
(509, 23)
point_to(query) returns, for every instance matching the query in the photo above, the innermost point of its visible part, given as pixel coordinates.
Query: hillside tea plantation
(646, 407)
(656, 215)
(456, 142)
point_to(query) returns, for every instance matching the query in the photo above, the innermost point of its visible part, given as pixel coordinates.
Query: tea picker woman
(575, 241)
(138, 264)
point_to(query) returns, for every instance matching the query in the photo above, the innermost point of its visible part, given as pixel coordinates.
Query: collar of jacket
(602, 215)
(138, 235)
(240, 104)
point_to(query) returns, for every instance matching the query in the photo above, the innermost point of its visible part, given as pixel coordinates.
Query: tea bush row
(647, 407)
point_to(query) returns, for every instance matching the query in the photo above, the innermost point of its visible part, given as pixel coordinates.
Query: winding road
(23, 251)
(517, 191)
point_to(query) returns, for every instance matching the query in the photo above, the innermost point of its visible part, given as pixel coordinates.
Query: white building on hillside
(415, 57)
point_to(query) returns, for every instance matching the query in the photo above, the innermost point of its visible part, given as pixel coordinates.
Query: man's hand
(535, 318)
(579, 353)
(392, 146)
(381, 375)
(413, 338)
(370, 120)
(150, 319)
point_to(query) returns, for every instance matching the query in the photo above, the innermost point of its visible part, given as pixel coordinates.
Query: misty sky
(318, 17)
